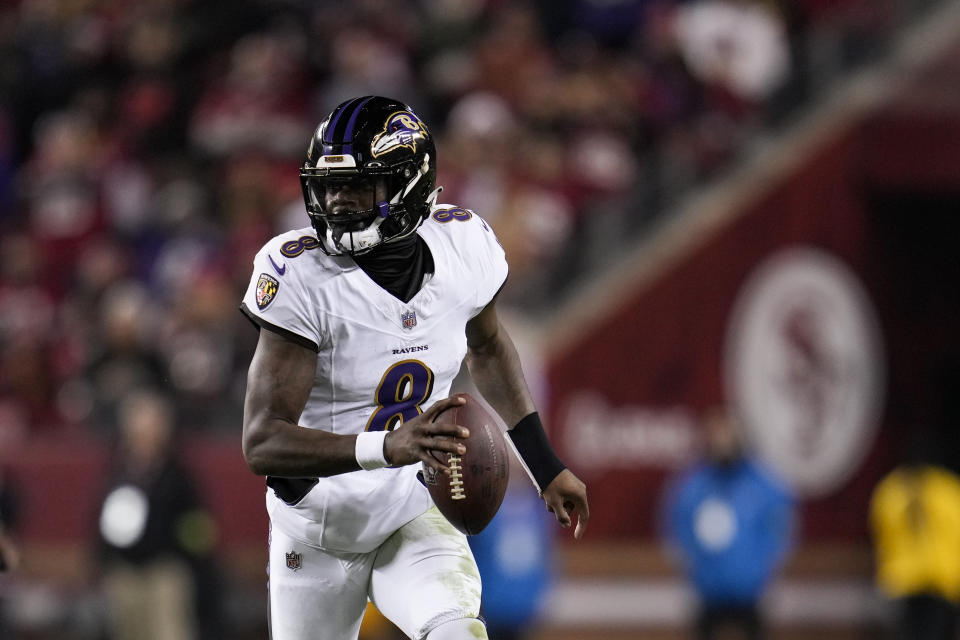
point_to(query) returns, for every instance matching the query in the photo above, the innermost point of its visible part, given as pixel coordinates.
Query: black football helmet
(365, 143)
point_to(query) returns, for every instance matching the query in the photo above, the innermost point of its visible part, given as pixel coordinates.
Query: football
(471, 495)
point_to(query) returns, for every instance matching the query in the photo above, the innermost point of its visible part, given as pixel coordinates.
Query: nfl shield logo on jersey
(408, 319)
(294, 561)
(267, 287)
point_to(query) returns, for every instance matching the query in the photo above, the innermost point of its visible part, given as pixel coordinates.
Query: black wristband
(531, 442)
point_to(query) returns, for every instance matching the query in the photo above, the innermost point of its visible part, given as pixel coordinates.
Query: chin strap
(422, 171)
(359, 240)
(432, 198)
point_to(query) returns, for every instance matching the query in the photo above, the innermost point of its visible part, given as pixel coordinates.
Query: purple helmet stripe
(328, 137)
(348, 134)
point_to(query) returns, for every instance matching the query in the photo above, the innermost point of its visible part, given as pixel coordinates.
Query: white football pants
(422, 576)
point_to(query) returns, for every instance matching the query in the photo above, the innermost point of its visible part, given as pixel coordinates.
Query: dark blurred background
(749, 203)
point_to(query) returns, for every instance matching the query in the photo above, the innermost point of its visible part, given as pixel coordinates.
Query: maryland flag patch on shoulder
(267, 287)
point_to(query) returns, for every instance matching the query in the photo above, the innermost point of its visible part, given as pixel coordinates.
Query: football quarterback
(365, 317)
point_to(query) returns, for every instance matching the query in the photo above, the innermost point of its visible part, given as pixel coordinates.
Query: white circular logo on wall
(804, 368)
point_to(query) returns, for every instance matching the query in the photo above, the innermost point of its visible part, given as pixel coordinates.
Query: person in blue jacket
(731, 522)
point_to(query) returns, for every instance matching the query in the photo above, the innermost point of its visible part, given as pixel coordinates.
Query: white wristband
(369, 450)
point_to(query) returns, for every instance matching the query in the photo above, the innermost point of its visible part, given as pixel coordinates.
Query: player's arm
(279, 380)
(495, 369)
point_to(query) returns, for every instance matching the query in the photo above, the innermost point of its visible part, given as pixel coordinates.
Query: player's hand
(413, 441)
(565, 494)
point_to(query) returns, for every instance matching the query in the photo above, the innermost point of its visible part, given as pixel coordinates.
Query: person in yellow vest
(915, 520)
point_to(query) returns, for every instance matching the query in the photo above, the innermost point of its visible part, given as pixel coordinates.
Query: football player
(365, 317)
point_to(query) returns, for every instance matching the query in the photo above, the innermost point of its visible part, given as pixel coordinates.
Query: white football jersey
(380, 361)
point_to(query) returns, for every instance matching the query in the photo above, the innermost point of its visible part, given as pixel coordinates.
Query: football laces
(456, 479)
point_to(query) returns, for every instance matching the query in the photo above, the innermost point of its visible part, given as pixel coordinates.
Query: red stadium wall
(61, 480)
(658, 359)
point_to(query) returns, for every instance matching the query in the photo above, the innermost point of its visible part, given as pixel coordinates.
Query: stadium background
(148, 149)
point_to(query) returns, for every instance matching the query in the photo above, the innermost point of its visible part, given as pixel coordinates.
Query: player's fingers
(580, 529)
(444, 444)
(448, 429)
(430, 461)
(560, 512)
(439, 407)
(583, 516)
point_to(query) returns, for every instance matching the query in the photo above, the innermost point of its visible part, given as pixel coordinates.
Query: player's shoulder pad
(292, 251)
(460, 222)
(469, 241)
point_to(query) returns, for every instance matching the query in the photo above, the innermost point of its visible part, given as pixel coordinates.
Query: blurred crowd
(148, 149)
